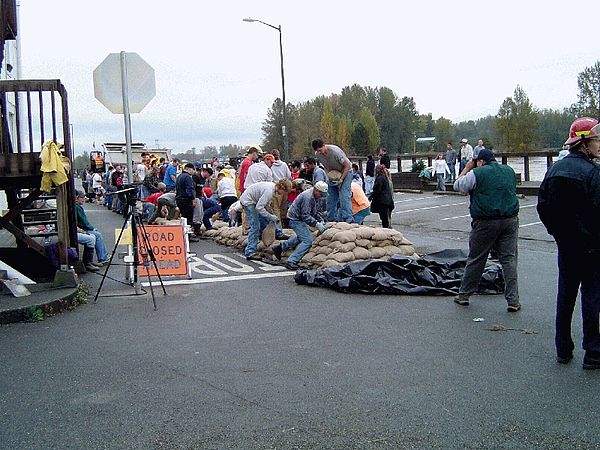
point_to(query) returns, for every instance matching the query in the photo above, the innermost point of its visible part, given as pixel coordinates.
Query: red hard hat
(582, 128)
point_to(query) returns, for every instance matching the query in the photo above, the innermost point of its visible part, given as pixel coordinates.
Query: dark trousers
(500, 235)
(386, 217)
(186, 209)
(226, 202)
(577, 270)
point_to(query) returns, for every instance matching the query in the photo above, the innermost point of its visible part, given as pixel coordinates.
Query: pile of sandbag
(340, 243)
(343, 242)
(225, 235)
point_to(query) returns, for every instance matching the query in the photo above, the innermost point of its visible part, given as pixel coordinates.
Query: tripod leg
(112, 255)
(150, 253)
(136, 222)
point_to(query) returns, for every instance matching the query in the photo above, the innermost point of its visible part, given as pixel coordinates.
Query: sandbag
(268, 235)
(344, 248)
(342, 257)
(361, 253)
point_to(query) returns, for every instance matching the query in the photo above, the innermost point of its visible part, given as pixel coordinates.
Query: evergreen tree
(407, 125)
(588, 83)
(327, 123)
(444, 132)
(360, 140)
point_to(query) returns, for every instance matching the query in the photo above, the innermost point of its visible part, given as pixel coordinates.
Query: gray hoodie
(280, 170)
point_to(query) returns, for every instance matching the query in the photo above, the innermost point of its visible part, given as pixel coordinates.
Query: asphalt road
(260, 362)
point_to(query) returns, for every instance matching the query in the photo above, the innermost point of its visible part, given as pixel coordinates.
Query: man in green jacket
(495, 224)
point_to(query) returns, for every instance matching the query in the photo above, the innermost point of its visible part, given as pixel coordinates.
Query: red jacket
(153, 198)
(246, 163)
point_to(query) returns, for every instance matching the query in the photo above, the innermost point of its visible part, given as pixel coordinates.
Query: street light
(285, 154)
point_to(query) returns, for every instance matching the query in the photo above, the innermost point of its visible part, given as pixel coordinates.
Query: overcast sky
(216, 76)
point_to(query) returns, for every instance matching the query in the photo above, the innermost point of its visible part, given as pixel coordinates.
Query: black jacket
(569, 202)
(185, 188)
(382, 198)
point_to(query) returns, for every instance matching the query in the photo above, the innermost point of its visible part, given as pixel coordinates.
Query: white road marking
(529, 224)
(254, 276)
(456, 217)
(412, 199)
(429, 207)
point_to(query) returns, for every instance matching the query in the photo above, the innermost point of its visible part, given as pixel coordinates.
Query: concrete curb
(49, 301)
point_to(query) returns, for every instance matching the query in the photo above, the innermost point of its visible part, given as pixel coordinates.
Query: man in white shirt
(260, 172)
(97, 186)
(466, 154)
(226, 193)
(255, 201)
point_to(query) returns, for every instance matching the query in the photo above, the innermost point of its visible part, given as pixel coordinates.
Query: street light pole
(285, 153)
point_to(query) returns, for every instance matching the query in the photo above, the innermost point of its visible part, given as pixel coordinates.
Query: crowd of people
(329, 188)
(263, 189)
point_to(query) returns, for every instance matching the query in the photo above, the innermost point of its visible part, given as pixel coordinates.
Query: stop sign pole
(126, 116)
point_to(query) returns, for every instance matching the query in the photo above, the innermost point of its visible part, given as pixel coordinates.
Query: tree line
(361, 119)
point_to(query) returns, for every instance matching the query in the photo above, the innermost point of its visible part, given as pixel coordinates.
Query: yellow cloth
(53, 169)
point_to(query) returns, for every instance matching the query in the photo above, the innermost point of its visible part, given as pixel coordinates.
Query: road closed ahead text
(168, 246)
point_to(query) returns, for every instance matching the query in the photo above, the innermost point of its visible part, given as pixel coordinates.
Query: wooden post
(526, 167)
(62, 216)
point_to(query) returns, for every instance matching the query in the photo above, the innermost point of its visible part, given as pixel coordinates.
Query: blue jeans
(440, 182)
(208, 213)
(147, 210)
(462, 164)
(339, 201)
(94, 240)
(577, 270)
(101, 252)
(452, 175)
(369, 181)
(302, 241)
(359, 217)
(257, 224)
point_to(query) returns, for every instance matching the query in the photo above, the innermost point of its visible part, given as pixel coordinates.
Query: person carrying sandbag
(255, 200)
(337, 166)
(308, 210)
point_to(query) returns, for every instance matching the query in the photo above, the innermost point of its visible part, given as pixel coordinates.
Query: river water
(537, 166)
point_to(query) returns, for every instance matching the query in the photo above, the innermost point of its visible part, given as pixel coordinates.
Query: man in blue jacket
(308, 210)
(495, 224)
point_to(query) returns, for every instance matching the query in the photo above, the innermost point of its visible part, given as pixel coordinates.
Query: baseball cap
(464, 140)
(79, 193)
(321, 186)
(485, 155)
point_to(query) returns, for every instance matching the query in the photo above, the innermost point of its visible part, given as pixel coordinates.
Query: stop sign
(108, 88)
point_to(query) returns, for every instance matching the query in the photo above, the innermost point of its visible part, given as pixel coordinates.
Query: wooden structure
(32, 112)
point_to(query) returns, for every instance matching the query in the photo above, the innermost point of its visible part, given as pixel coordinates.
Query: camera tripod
(145, 250)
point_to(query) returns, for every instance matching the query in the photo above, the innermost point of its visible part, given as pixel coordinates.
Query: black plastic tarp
(434, 274)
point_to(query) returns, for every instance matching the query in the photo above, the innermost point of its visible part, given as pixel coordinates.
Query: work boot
(277, 251)
(87, 258)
